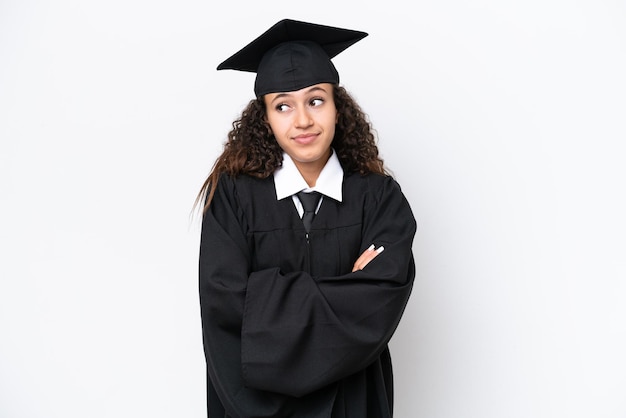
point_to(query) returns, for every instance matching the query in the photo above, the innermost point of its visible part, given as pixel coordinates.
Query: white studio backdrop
(502, 120)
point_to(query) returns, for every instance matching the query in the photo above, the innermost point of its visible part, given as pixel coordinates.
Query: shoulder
(242, 188)
(373, 184)
(378, 193)
(243, 181)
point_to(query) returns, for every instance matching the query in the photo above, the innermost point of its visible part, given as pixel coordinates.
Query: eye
(318, 101)
(282, 107)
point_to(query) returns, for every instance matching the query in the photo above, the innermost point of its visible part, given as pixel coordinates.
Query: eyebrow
(311, 90)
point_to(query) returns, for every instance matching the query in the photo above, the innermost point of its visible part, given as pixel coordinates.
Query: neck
(311, 171)
(309, 174)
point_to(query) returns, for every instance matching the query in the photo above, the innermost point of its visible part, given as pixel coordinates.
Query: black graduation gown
(288, 329)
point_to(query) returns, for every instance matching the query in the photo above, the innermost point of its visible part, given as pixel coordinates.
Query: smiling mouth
(305, 139)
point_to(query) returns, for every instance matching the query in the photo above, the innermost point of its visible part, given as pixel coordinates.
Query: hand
(367, 256)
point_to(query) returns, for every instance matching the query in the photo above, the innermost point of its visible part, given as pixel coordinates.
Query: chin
(307, 159)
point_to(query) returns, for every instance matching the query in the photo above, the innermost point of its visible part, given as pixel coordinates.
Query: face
(303, 123)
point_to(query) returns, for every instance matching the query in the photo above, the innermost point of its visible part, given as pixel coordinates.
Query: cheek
(333, 118)
(331, 122)
(331, 134)
(274, 126)
(281, 135)
(277, 122)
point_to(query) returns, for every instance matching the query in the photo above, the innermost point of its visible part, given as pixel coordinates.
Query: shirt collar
(288, 180)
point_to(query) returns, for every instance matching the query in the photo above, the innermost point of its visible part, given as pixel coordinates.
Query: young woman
(297, 313)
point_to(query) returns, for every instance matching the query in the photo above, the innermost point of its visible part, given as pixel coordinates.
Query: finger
(367, 256)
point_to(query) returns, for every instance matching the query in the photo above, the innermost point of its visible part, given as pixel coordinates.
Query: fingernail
(371, 247)
(380, 249)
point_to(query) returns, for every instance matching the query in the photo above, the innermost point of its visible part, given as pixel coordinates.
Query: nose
(303, 118)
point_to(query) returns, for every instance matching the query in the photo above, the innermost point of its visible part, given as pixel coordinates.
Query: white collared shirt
(288, 181)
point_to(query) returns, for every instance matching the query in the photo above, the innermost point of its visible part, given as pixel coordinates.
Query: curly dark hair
(251, 148)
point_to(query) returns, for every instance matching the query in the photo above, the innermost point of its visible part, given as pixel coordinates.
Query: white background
(503, 121)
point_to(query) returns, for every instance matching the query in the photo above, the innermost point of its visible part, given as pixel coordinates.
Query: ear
(266, 119)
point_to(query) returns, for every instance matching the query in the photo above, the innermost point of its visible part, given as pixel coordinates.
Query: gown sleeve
(301, 333)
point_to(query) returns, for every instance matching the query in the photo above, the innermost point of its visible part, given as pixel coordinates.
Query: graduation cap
(292, 55)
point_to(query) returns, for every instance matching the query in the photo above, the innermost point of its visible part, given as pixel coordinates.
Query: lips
(305, 139)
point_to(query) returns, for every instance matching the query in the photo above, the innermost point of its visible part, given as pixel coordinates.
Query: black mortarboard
(292, 55)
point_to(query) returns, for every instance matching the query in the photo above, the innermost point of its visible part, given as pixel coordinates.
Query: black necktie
(309, 203)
